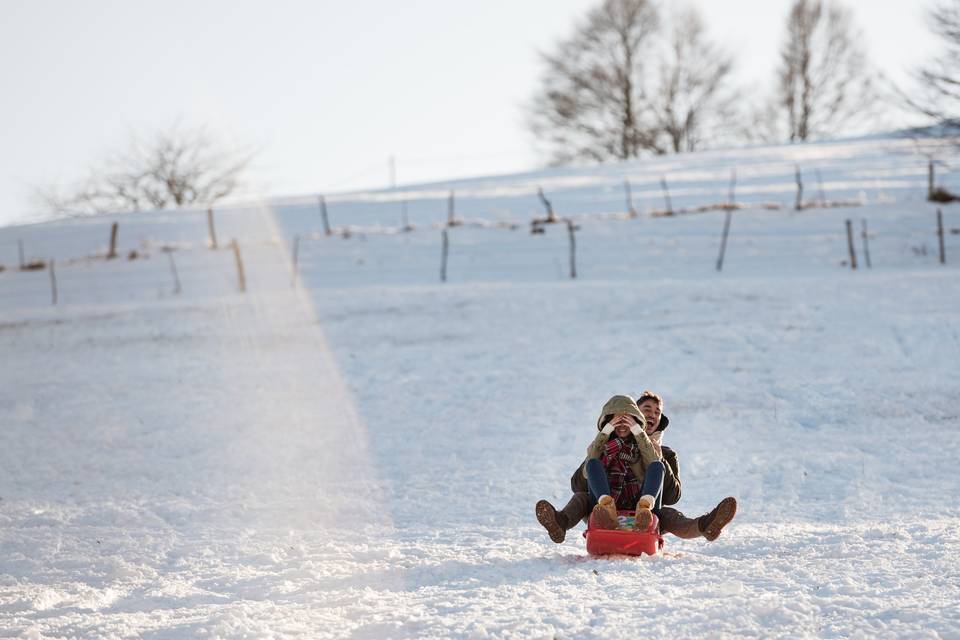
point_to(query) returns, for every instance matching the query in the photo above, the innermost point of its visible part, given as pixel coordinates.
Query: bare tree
(693, 99)
(590, 104)
(173, 168)
(759, 121)
(824, 82)
(939, 79)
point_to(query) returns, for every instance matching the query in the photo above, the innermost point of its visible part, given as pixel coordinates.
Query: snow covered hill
(353, 448)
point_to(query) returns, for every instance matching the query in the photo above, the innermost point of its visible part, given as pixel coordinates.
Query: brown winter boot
(605, 514)
(558, 522)
(551, 520)
(712, 523)
(642, 517)
(673, 521)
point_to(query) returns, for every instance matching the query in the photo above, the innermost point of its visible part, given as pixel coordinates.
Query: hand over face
(621, 424)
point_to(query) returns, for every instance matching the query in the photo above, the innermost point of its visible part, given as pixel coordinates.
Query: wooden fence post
(943, 255)
(323, 216)
(443, 257)
(451, 219)
(173, 270)
(211, 229)
(241, 278)
(53, 282)
(23, 263)
(573, 249)
(733, 185)
(850, 247)
(723, 239)
(930, 180)
(666, 194)
(866, 245)
(551, 217)
(630, 208)
(799, 204)
(112, 253)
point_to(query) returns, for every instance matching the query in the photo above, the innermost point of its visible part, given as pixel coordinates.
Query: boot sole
(603, 519)
(547, 516)
(725, 512)
(642, 520)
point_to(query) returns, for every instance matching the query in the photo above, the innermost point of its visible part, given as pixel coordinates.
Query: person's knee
(656, 467)
(597, 482)
(594, 464)
(595, 471)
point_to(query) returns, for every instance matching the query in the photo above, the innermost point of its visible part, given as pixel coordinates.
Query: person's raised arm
(648, 453)
(595, 450)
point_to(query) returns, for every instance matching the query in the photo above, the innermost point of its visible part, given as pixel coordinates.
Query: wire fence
(599, 225)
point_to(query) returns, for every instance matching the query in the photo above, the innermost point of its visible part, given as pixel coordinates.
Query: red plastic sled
(624, 541)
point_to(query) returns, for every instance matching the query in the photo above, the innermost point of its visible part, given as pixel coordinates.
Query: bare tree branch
(591, 104)
(173, 168)
(937, 93)
(692, 102)
(825, 85)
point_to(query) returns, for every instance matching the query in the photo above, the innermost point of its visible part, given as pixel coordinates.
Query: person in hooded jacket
(628, 468)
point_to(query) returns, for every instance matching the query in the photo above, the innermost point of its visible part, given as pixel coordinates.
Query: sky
(327, 92)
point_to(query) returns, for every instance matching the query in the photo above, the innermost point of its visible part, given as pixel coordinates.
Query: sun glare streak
(349, 478)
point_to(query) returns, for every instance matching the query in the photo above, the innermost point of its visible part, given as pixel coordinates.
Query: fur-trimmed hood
(626, 404)
(620, 404)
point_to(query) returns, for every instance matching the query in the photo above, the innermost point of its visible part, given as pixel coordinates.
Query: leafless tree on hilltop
(939, 79)
(825, 84)
(174, 168)
(623, 86)
(692, 100)
(590, 105)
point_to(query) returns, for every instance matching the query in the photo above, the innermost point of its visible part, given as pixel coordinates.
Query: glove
(636, 430)
(607, 429)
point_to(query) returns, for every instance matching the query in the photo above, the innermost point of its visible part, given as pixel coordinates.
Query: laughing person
(628, 468)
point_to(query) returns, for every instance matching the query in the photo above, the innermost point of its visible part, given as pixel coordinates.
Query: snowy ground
(359, 455)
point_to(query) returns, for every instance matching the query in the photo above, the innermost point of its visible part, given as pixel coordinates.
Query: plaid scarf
(624, 486)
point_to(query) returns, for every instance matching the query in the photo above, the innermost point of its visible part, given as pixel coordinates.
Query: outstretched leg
(708, 525)
(675, 522)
